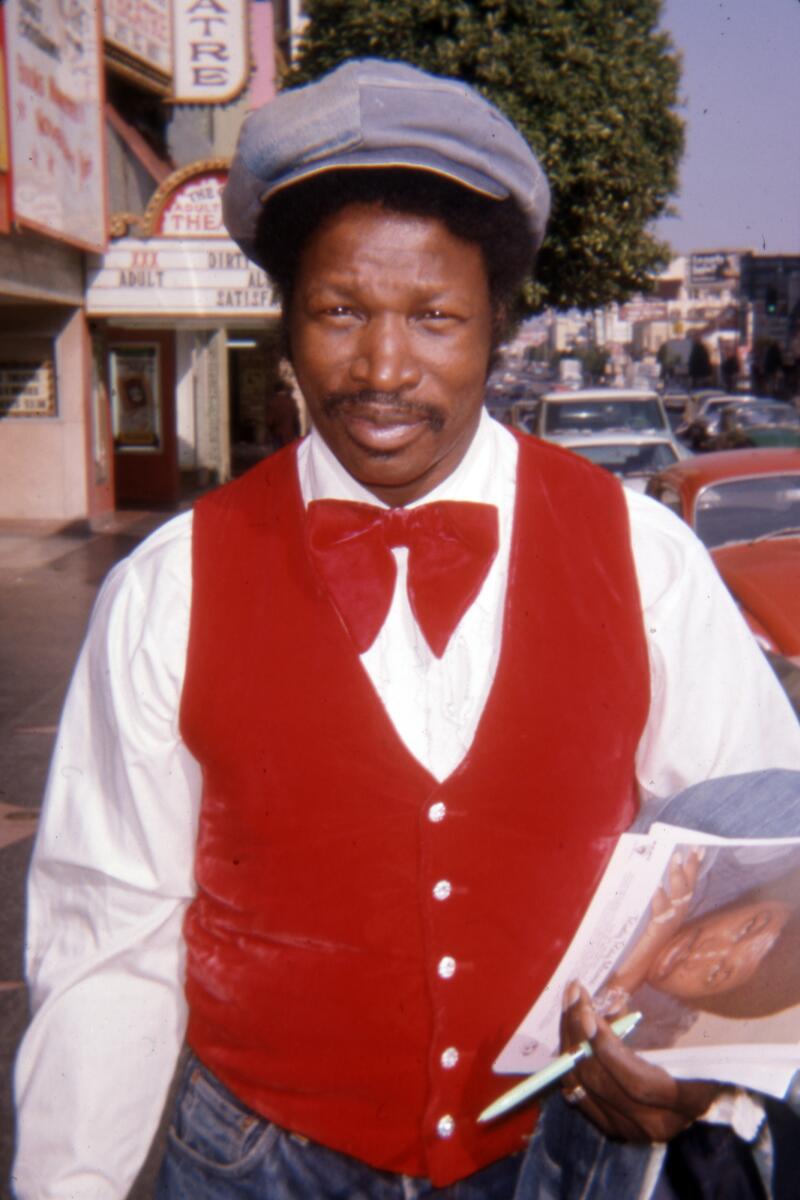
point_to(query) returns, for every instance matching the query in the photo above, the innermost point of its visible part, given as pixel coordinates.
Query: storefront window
(27, 378)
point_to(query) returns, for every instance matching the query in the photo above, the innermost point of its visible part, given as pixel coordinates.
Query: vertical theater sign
(211, 50)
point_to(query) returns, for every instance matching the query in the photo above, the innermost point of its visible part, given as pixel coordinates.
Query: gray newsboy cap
(372, 113)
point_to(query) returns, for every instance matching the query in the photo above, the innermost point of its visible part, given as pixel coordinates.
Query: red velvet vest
(325, 978)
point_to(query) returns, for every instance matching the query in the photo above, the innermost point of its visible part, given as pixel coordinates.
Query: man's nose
(384, 360)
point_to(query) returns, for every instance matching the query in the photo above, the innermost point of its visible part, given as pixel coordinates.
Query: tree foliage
(590, 83)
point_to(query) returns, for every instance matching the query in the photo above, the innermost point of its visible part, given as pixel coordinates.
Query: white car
(604, 411)
(634, 458)
(601, 410)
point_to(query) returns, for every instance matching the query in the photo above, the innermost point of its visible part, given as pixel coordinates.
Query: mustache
(395, 402)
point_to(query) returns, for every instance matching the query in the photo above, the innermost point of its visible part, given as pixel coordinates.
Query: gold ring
(574, 1095)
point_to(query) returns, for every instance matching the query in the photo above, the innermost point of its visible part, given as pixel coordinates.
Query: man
(364, 730)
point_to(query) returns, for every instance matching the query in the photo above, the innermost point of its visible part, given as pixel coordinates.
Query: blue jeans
(219, 1150)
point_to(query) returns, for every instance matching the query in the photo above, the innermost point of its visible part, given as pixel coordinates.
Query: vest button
(447, 967)
(449, 1058)
(442, 889)
(436, 812)
(445, 1126)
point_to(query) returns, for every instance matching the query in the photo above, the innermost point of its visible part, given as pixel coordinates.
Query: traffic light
(771, 301)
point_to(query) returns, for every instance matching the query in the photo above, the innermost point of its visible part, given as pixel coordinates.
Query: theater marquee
(171, 277)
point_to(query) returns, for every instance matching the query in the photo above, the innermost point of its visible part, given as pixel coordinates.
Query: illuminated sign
(716, 266)
(57, 132)
(194, 209)
(212, 62)
(141, 28)
(165, 276)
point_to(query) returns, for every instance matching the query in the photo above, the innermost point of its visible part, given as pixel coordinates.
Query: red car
(744, 505)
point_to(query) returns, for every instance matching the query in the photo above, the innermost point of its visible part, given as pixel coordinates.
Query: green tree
(591, 84)
(594, 360)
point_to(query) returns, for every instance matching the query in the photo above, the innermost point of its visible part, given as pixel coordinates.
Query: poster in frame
(136, 398)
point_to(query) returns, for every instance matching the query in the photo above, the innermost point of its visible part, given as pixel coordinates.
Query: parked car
(634, 458)
(592, 412)
(601, 410)
(756, 423)
(703, 416)
(745, 506)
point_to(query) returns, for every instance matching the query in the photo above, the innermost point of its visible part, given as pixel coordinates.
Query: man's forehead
(406, 248)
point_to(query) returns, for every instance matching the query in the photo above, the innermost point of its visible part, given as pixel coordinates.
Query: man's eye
(752, 926)
(436, 316)
(338, 310)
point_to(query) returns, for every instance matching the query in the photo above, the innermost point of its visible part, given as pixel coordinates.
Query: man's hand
(625, 1096)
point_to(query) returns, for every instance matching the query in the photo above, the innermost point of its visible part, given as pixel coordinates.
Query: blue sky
(740, 175)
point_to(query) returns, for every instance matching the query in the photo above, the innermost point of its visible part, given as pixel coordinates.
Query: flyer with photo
(702, 936)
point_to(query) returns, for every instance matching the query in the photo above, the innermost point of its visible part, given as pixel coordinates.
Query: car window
(738, 510)
(600, 416)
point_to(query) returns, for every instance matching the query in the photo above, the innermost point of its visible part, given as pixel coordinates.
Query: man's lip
(387, 431)
(378, 415)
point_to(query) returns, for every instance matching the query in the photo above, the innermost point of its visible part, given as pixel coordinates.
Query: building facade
(139, 351)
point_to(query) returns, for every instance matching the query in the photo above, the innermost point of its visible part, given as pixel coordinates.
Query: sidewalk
(49, 576)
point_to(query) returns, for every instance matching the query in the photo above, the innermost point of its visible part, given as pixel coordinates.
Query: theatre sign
(181, 263)
(212, 61)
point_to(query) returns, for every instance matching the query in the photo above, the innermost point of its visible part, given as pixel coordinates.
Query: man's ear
(499, 324)
(498, 334)
(286, 338)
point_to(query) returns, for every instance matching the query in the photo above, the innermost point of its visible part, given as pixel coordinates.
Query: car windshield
(599, 416)
(715, 403)
(739, 510)
(626, 458)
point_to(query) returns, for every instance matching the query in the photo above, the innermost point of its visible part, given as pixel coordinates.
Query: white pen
(565, 1062)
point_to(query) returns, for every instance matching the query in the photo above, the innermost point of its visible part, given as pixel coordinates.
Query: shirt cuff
(742, 1110)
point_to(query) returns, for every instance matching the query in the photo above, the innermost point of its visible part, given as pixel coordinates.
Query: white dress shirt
(112, 872)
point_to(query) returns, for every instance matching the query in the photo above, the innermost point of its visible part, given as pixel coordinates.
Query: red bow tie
(451, 545)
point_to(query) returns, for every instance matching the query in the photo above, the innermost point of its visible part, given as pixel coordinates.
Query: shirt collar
(322, 476)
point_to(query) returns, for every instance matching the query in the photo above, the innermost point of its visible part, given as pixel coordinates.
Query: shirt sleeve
(111, 876)
(716, 707)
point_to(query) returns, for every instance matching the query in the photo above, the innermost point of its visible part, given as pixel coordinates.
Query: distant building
(744, 308)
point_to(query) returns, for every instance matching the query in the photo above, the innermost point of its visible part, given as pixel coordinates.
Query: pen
(565, 1062)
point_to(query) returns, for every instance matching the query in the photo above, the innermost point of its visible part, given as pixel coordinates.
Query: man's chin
(390, 475)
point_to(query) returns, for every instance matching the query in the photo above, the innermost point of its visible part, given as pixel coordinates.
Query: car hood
(764, 576)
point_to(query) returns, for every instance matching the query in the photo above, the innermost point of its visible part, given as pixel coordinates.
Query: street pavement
(49, 577)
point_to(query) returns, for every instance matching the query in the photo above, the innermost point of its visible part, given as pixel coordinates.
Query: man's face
(720, 951)
(390, 330)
